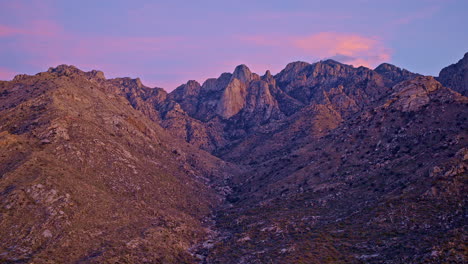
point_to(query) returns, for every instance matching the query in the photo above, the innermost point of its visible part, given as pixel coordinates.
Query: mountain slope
(85, 178)
(387, 186)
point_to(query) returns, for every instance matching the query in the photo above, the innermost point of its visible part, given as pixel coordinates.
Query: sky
(167, 43)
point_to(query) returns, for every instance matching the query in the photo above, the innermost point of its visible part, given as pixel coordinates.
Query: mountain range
(320, 163)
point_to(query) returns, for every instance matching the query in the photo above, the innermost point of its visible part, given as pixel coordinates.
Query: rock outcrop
(233, 99)
(414, 94)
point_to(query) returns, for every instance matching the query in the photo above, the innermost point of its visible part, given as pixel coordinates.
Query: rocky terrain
(86, 178)
(320, 163)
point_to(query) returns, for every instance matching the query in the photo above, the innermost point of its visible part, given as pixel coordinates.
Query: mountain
(222, 112)
(235, 114)
(455, 76)
(394, 73)
(320, 163)
(386, 186)
(86, 178)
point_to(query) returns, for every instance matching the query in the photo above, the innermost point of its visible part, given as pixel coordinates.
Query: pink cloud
(6, 31)
(332, 43)
(49, 44)
(360, 50)
(347, 48)
(45, 28)
(95, 45)
(42, 28)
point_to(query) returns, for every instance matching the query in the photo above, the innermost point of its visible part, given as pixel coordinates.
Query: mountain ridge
(319, 163)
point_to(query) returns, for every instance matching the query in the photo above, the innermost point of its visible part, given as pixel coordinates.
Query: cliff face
(320, 163)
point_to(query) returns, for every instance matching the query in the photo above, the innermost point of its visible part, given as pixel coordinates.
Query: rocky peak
(268, 78)
(301, 74)
(394, 73)
(296, 66)
(191, 88)
(242, 73)
(455, 76)
(332, 62)
(70, 70)
(20, 77)
(138, 83)
(465, 59)
(192, 85)
(329, 67)
(65, 70)
(187, 96)
(291, 71)
(129, 82)
(209, 84)
(97, 74)
(218, 84)
(307, 82)
(386, 67)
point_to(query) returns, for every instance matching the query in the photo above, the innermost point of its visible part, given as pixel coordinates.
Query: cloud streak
(45, 43)
(6, 74)
(357, 50)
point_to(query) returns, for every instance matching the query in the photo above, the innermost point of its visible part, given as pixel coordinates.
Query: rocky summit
(320, 163)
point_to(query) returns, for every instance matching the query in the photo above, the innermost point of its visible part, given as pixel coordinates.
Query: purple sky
(166, 43)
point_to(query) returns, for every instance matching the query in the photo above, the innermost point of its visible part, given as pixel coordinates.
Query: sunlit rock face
(414, 94)
(233, 99)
